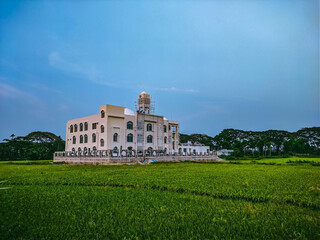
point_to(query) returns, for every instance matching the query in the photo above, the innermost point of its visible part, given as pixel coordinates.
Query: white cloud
(98, 77)
(90, 73)
(7, 91)
(173, 89)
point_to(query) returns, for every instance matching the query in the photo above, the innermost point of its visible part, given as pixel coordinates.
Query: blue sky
(251, 65)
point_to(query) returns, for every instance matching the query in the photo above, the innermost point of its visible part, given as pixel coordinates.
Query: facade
(118, 128)
(189, 148)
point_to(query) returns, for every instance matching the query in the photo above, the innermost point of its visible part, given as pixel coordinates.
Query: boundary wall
(128, 157)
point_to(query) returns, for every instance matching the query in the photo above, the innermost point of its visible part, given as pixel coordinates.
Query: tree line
(261, 143)
(34, 146)
(42, 145)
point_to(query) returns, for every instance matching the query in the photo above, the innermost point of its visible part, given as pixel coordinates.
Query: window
(71, 129)
(75, 128)
(115, 149)
(94, 138)
(86, 126)
(165, 139)
(102, 129)
(164, 128)
(81, 139)
(79, 149)
(85, 149)
(129, 125)
(101, 142)
(129, 137)
(149, 139)
(94, 148)
(149, 127)
(85, 138)
(74, 140)
(81, 127)
(94, 125)
(73, 150)
(115, 137)
(102, 114)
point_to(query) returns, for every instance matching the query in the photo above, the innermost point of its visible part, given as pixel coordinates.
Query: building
(118, 128)
(189, 148)
(226, 152)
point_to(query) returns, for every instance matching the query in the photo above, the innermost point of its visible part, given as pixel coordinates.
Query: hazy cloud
(90, 73)
(173, 89)
(7, 91)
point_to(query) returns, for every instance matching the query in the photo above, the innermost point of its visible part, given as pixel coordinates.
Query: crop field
(265, 199)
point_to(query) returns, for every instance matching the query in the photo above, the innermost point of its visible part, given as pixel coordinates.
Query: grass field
(266, 199)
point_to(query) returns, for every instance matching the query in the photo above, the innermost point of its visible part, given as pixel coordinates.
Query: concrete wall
(131, 160)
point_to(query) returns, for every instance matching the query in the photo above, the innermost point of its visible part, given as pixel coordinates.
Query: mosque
(118, 128)
(119, 135)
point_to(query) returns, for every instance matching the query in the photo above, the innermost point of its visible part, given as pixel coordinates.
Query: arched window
(86, 126)
(94, 138)
(149, 127)
(149, 139)
(85, 138)
(129, 125)
(165, 139)
(149, 148)
(74, 140)
(71, 129)
(85, 149)
(115, 137)
(75, 128)
(115, 149)
(73, 150)
(94, 148)
(164, 128)
(79, 149)
(81, 139)
(129, 137)
(101, 142)
(102, 114)
(102, 128)
(81, 127)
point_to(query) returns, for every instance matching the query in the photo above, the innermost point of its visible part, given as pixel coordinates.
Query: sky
(210, 65)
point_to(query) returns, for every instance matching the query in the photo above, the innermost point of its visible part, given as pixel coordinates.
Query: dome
(128, 111)
(144, 94)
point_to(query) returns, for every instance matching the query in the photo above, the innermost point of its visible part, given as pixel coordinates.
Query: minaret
(144, 103)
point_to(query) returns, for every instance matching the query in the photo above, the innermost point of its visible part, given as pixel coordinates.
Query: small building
(196, 148)
(225, 152)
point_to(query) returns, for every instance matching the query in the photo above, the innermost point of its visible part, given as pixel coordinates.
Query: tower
(144, 102)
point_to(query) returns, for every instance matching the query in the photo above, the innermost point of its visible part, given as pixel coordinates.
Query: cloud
(98, 77)
(173, 89)
(7, 91)
(90, 73)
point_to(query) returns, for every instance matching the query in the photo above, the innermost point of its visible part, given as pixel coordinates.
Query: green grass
(280, 160)
(161, 201)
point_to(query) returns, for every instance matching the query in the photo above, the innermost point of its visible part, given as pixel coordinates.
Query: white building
(225, 152)
(118, 128)
(189, 148)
